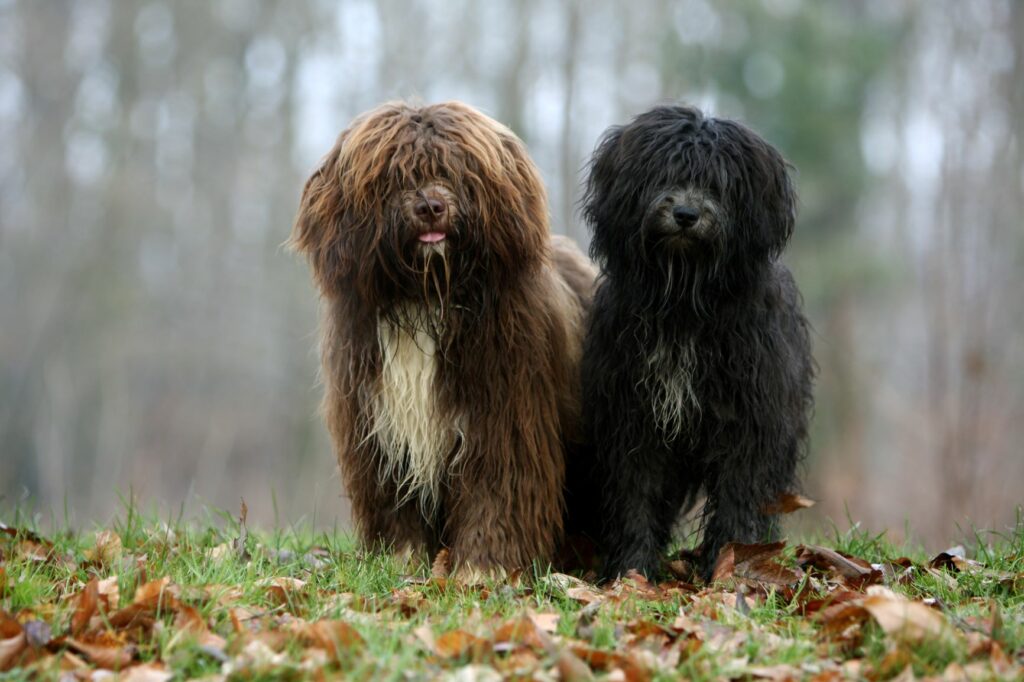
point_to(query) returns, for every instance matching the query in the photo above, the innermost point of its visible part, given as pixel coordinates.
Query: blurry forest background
(155, 337)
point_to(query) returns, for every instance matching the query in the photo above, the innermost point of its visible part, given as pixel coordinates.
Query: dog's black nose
(685, 216)
(429, 208)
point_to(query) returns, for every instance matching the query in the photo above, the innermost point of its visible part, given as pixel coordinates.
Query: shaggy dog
(697, 363)
(451, 334)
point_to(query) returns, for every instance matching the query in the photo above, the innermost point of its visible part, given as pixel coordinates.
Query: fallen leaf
(757, 562)
(548, 622)
(283, 590)
(522, 631)
(85, 608)
(190, 623)
(574, 588)
(108, 593)
(30, 545)
(571, 668)
(460, 644)
(788, 503)
(12, 641)
(609, 661)
(151, 598)
(147, 672)
(637, 582)
(107, 550)
(857, 571)
(103, 650)
(255, 656)
(157, 594)
(337, 637)
(906, 621)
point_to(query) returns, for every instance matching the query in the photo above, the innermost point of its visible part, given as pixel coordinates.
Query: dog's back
(578, 271)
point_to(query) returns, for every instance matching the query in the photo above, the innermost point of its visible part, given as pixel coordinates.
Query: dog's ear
(317, 232)
(531, 235)
(606, 164)
(779, 203)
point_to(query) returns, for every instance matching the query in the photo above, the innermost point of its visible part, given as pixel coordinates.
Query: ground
(211, 598)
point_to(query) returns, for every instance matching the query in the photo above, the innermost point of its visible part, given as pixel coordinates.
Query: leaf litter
(771, 612)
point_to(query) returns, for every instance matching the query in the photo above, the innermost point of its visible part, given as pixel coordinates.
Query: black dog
(697, 366)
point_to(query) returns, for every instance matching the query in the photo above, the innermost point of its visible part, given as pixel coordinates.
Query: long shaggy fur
(697, 363)
(451, 363)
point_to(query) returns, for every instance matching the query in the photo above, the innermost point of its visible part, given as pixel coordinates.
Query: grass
(256, 611)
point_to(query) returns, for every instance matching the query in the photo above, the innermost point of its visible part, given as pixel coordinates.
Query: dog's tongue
(432, 237)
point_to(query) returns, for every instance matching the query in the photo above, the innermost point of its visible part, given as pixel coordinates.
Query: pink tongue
(432, 237)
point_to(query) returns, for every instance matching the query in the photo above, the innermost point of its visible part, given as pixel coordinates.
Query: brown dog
(451, 334)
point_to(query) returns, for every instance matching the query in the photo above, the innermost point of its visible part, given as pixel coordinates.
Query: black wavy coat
(697, 363)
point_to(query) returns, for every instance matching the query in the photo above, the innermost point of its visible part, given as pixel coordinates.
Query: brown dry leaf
(460, 644)
(255, 657)
(1001, 663)
(157, 594)
(426, 636)
(757, 562)
(571, 668)
(842, 619)
(547, 622)
(3, 581)
(788, 503)
(12, 642)
(608, 661)
(103, 650)
(638, 584)
(147, 672)
(856, 571)
(644, 629)
(951, 558)
(904, 620)
(522, 631)
(576, 589)
(337, 637)
(88, 600)
(189, 622)
(282, 589)
(30, 545)
(108, 593)
(108, 548)
(150, 599)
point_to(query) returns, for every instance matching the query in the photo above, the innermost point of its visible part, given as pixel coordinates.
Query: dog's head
(414, 202)
(675, 184)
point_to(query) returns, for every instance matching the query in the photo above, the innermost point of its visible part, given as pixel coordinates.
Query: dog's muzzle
(683, 215)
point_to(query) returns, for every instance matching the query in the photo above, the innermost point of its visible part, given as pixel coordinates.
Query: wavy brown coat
(504, 302)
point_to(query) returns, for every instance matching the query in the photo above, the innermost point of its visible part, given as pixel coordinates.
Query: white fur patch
(669, 382)
(415, 437)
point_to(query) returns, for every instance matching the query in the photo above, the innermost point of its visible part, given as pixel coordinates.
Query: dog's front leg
(742, 487)
(384, 520)
(642, 497)
(505, 510)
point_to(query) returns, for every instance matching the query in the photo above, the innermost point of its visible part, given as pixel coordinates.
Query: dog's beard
(435, 275)
(687, 261)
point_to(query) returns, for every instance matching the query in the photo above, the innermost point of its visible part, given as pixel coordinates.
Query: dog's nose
(685, 216)
(429, 208)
